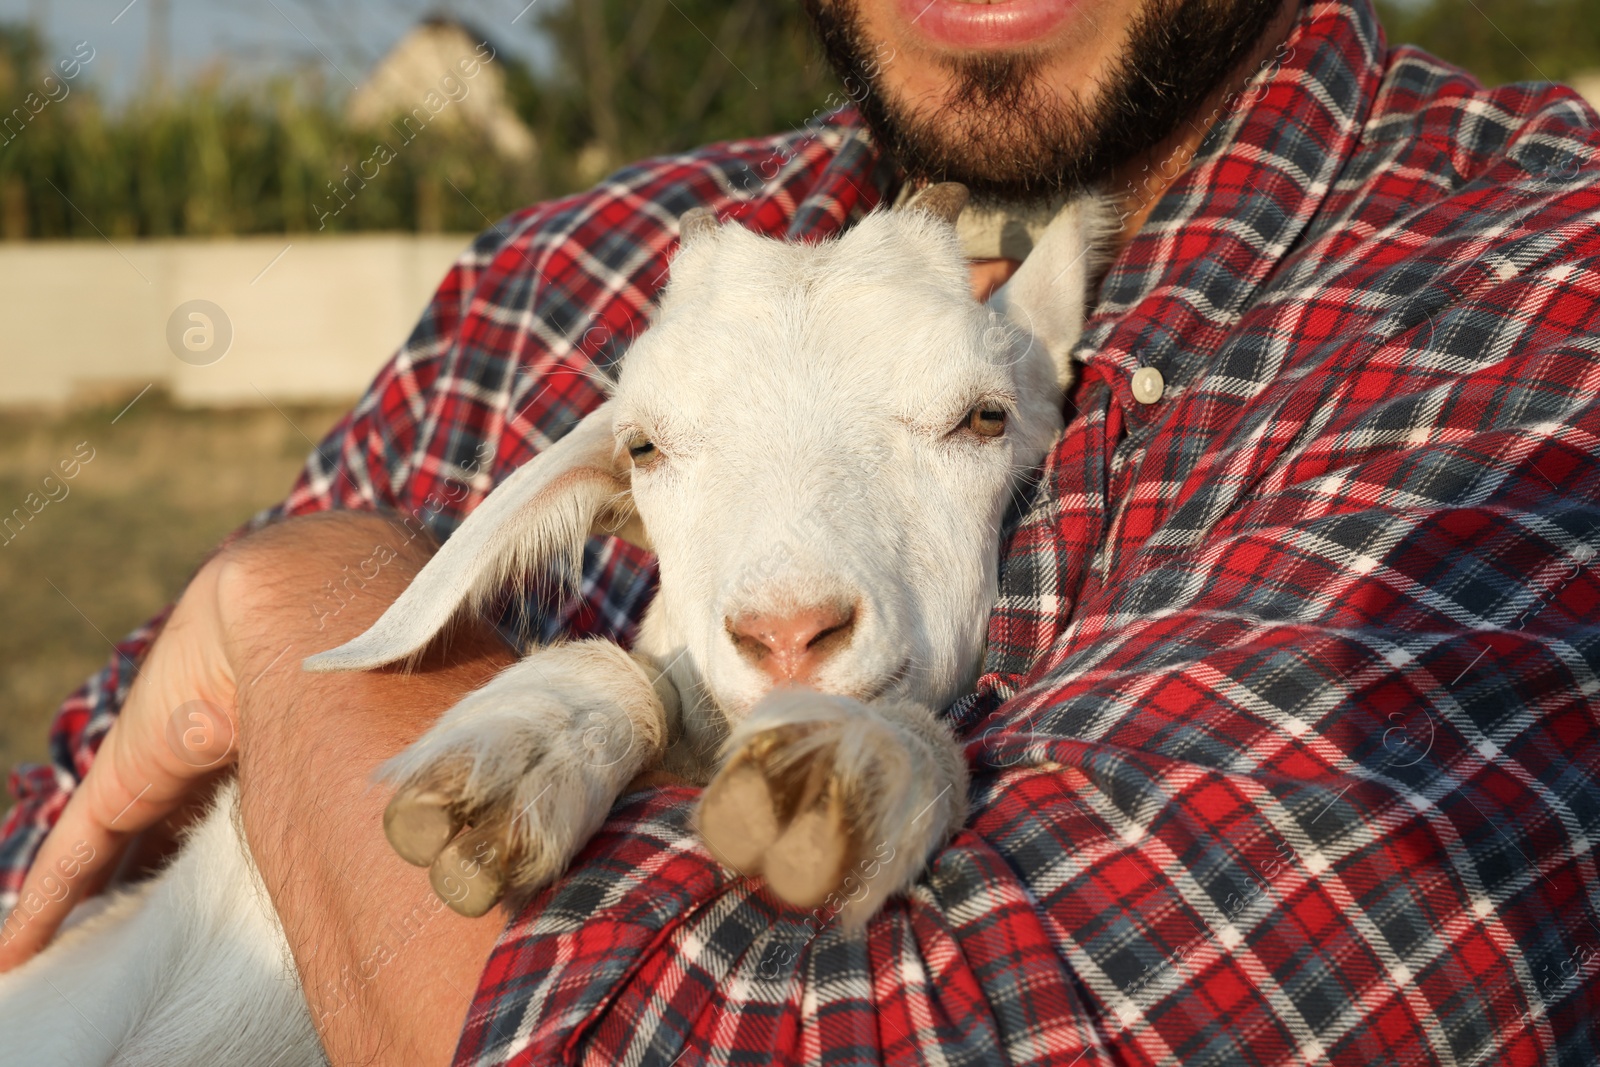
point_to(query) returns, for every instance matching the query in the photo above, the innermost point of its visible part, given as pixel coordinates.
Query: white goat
(819, 441)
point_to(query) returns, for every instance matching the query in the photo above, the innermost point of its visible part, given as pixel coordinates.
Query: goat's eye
(986, 421)
(642, 451)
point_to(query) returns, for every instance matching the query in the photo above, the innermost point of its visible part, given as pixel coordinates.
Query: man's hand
(388, 970)
(176, 731)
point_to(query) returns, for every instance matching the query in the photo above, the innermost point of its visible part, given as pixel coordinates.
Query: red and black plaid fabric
(1288, 749)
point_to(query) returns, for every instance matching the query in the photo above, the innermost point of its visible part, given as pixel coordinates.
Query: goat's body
(188, 970)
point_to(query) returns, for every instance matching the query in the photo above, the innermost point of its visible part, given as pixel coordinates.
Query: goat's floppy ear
(1049, 293)
(942, 200)
(539, 517)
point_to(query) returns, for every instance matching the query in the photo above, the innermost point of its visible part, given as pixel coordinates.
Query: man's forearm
(388, 970)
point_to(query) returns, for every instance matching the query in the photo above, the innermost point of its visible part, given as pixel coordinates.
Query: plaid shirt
(1286, 747)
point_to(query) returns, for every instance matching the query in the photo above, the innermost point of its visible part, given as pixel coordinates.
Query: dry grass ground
(164, 486)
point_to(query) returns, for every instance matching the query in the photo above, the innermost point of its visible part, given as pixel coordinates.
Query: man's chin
(1010, 125)
(997, 163)
(999, 125)
(1001, 130)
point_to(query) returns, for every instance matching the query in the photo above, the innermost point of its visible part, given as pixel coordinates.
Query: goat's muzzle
(791, 646)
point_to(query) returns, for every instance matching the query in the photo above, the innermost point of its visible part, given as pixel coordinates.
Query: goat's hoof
(419, 824)
(808, 862)
(736, 817)
(469, 873)
(781, 818)
(530, 763)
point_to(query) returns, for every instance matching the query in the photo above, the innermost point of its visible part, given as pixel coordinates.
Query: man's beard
(1008, 136)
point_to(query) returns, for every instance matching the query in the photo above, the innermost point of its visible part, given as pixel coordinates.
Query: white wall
(84, 318)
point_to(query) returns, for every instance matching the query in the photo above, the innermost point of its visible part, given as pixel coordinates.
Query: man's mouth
(980, 25)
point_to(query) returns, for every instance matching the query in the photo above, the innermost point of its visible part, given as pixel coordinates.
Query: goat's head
(819, 441)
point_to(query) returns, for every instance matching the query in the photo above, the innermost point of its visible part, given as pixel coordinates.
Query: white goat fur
(807, 403)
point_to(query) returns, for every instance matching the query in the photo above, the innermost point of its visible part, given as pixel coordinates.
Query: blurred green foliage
(1502, 40)
(630, 78)
(635, 78)
(214, 161)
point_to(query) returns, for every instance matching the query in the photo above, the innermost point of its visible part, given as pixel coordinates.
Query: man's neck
(1138, 184)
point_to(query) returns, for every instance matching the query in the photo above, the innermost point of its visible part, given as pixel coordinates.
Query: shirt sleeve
(1317, 786)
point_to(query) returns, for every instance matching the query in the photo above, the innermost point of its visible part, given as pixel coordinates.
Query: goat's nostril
(841, 628)
(790, 645)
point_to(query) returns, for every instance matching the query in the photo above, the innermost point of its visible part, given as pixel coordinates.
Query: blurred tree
(1502, 40)
(19, 55)
(19, 59)
(634, 78)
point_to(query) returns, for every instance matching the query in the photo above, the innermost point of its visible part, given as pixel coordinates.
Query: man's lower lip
(1007, 24)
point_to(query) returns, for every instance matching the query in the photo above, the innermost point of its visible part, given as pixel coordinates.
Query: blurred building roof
(430, 64)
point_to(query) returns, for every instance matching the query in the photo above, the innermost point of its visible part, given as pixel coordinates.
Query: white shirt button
(1148, 385)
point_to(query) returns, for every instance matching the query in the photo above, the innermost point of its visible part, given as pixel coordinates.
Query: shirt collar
(1258, 178)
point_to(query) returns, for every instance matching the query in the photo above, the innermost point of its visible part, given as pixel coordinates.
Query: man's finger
(73, 863)
(132, 786)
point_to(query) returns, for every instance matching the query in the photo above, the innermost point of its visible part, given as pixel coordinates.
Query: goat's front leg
(529, 764)
(835, 801)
